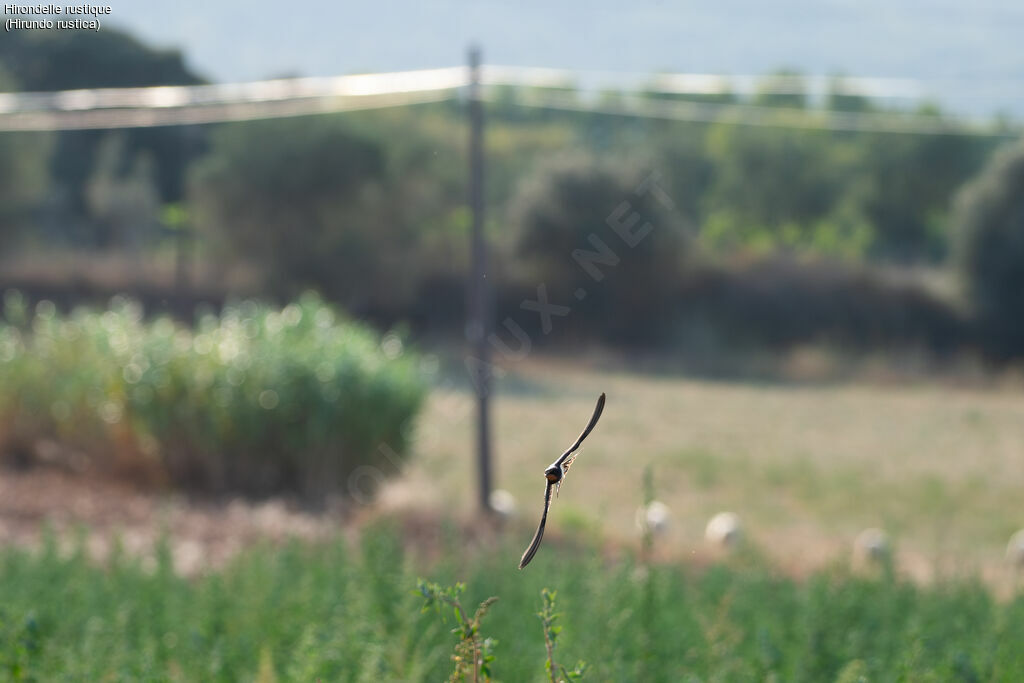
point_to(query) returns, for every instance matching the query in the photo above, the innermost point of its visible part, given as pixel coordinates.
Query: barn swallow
(555, 474)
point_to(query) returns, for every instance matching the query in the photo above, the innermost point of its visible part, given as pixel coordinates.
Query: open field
(225, 596)
(805, 466)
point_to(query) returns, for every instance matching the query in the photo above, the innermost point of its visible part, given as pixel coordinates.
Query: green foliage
(990, 219)
(909, 183)
(851, 194)
(772, 302)
(299, 612)
(23, 173)
(473, 656)
(843, 96)
(23, 181)
(122, 201)
(256, 400)
(111, 58)
(783, 190)
(291, 197)
(368, 208)
(324, 202)
(581, 222)
(548, 617)
(877, 196)
(67, 60)
(784, 88)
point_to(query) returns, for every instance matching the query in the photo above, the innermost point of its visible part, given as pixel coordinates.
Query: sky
(967, 54)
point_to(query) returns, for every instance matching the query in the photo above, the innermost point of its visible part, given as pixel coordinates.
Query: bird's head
(553, 473)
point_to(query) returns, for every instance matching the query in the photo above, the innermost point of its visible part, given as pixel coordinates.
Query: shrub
(570, 211)
(255, 400)
(989, 216)
(781, 302)
(290, 197)
(357, 212)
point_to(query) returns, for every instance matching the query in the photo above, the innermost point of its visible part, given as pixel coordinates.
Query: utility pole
(479, 289)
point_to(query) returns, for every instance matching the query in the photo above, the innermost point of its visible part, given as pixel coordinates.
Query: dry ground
(806, 467)
(202, 534)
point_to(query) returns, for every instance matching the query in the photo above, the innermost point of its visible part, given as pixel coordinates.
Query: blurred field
(187, 591)
(805, 466)
(348, 611)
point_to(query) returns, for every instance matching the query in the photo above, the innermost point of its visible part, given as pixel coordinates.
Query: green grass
(350, 612)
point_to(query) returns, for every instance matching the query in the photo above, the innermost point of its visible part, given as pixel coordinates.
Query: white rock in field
(653, 517)
(871, 547)
(503, 504)
(1015, 550)
(724, 530)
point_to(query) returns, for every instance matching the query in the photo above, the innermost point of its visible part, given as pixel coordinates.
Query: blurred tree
(783, 188)
(783, 88)
(912, 180)
(570, 217)
(23, 175)
(320, 202)
(60, 60)
(123, 203)
(64, 60)
(287, 195)
(688, 168)
(878, 195)
(726, 96)
(989, 217)
(840, 97)
(771, 176)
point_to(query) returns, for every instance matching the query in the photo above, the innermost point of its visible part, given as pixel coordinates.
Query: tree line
(369, 207)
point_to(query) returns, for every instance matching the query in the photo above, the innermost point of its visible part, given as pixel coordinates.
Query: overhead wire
(558, 89)
(754, 115)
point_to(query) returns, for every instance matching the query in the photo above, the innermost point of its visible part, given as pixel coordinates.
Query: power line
(752, 115)
(138, 117)
(168, 96)
(708, 84)
(182, 105)
(548, 88)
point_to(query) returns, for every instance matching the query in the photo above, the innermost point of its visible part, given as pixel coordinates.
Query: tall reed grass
(254, 400)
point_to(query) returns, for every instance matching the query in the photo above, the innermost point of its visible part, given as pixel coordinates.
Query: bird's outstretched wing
(535, 543)
(598, 409)
(566, 460)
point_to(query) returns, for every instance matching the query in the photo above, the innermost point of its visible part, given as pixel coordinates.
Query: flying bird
(555, 474)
